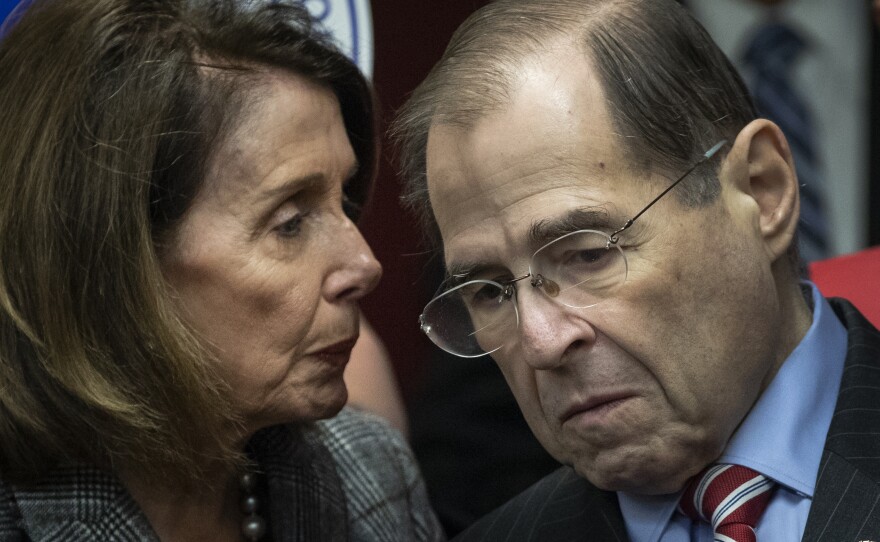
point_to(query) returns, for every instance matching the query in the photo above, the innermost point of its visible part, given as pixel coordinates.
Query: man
(618, 229)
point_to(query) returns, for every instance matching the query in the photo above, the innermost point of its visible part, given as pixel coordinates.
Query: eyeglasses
(578, 270)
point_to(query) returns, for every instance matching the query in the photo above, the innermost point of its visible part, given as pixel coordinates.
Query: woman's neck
(194, 514)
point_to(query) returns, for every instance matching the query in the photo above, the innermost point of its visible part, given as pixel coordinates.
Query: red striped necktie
(729, 497)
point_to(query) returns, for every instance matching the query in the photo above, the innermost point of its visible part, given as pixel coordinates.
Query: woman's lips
(338, 352)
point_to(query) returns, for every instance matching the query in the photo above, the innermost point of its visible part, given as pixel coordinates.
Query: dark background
(410, 36)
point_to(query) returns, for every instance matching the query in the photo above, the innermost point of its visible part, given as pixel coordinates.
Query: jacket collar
(305, 495)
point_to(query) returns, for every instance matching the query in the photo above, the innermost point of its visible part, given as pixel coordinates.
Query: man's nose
(357, 272)
(548, 330)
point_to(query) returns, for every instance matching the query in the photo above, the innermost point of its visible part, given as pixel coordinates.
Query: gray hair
(671, 92)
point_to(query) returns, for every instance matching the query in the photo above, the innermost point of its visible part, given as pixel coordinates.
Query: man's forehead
(556, 112)
(552, 148)
(513, 176)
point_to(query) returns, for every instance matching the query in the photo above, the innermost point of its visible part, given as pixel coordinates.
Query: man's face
(639, 392)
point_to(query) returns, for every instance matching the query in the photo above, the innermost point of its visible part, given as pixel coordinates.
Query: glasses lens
(470, 320)
(584, 268)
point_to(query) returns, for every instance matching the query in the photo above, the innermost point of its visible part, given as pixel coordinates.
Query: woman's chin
(332, 407)
(325, 403)
(321, 404)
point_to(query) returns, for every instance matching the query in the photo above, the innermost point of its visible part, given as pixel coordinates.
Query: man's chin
(647, 477)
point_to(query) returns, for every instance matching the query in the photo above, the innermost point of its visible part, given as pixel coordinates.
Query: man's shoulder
(855, 428)
(854, 321)
(848, 486)
(560, 506)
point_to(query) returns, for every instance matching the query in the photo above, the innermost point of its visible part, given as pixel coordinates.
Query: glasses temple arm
(709, 154)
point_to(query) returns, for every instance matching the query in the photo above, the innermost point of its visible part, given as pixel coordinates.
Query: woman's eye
(351, 209)
(291, 227)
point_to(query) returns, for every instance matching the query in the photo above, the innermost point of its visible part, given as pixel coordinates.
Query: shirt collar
(783, 435)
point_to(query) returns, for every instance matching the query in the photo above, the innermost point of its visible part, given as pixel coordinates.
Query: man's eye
(489, 292)
(589, 256)
(481, 294)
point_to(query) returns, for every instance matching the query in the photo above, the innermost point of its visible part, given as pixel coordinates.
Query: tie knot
(729, 497)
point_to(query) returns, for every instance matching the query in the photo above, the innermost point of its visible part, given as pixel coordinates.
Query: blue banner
(5, 7)
(350, 21)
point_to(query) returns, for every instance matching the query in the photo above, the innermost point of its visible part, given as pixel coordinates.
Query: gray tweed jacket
(351, 478)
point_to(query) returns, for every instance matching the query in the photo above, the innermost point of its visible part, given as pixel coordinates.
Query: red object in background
(855, 277)
(410, 37)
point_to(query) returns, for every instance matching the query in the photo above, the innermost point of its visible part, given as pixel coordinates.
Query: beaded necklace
(253, 526)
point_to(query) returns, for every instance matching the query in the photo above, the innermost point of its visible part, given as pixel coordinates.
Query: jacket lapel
(305, 493)
(846, 505)
(81, 503)
(560, 507)
(305, 497)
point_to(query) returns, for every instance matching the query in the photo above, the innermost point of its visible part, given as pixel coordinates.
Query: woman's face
(267, 267)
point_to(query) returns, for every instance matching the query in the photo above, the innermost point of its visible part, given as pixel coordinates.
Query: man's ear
(761, 167)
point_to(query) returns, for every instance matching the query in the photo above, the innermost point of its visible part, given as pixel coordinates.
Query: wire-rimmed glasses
(577, 270)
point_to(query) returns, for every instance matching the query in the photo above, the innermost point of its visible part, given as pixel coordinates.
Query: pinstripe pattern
(564, 507)
(847, 503)
(350, 478)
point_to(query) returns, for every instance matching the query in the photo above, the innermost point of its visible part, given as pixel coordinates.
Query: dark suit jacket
(846, 508)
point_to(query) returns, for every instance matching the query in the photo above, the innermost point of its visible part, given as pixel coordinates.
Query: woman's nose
(358, 271)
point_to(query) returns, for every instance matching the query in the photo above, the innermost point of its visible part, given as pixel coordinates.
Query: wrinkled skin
(641, 391)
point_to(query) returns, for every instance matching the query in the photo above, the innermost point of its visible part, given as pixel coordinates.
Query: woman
(179, 281)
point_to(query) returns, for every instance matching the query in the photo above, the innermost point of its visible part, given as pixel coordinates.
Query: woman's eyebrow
(302, 182)
(309, 180)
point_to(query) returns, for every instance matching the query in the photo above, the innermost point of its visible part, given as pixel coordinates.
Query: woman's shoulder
(9, 528)
(385, 492)
(359, 431)
(366, 447)
(70, 502)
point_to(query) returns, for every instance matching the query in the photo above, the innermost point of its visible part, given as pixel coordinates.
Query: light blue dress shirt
(782, 438)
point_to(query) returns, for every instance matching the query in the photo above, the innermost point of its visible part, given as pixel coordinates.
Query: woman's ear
(762, 168)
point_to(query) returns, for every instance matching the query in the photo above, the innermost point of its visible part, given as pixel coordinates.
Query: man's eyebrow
(543, 231)
(540, 233)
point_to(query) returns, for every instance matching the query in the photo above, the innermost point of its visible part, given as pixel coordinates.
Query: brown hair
(111, 111)
(672, 93)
